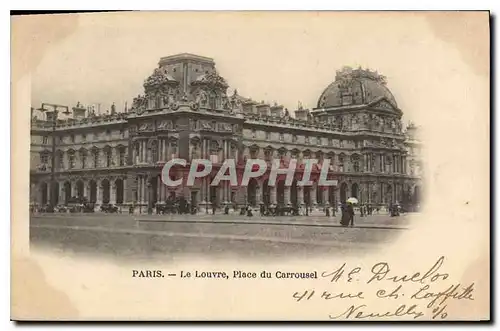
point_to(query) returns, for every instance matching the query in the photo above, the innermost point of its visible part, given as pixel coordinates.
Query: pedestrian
(249, 211)
(350, 212)
(344, 220)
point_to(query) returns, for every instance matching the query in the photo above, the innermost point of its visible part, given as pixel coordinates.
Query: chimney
(301, 114)
(277, 110)
(79, 111)
(248, 107)
(263, 109)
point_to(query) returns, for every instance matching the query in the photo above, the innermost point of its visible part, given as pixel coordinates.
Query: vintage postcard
(251, 166)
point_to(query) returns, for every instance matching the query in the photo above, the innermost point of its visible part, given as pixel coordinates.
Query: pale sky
(284, 57)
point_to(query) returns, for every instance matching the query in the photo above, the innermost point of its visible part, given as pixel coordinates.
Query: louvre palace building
(186, 111)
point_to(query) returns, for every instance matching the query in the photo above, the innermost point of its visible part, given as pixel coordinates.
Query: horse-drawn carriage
(109, 208)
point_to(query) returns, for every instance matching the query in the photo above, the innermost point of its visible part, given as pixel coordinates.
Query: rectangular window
(122, 157)
(71, 161)
(108, 159)
(45, 140)
(267, 155)
(44, 158)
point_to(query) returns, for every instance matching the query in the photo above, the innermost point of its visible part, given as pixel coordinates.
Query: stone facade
(186, 112)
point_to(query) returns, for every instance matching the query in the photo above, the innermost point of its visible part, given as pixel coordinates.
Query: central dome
(355, 87)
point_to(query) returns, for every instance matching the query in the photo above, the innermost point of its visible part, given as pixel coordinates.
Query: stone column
(144, 190)
(312, 194)
(160, 149)
(140, 197)
(382, 193)
(49, 193)
(164, 152)
(99, 192)
(134, 156)
(326, 200)
(272, 196)
(139, 152)
(86, 189)
(258, 194)
(300, 195)
(286, 199)
(73, 188)
(112, 193)
(33, 191)
(161, 189)
(144, 151)
(61, 193)
(159, 186)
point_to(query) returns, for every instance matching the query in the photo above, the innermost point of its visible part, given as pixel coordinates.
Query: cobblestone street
(166, 236)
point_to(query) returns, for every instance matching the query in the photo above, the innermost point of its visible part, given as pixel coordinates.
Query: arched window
(341, 162)
(121, 153)
(355, 163)
(83, 158)
(212, 100)
(331, 158)
(282, 153)
(233, 151)
(388, 163)
(109, 157)
(60, 159)
(137, 152)
(71, 159)
(254, 151)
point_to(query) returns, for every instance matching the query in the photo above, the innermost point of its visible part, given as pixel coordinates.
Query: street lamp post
(55, 109)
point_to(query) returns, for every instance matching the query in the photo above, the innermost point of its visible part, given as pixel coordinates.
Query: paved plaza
(124, 236)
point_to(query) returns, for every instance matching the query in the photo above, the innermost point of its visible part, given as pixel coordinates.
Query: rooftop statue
(347, 74)
(159, 76)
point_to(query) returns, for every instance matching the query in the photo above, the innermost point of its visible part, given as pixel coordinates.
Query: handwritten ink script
(418, 295)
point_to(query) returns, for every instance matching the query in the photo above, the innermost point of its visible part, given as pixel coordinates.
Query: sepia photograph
(190, 165)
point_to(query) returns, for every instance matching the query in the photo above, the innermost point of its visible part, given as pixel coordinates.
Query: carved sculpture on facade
(225, 103)
(159, 77)
(145, 127)
(139, 103)
(381, 123)
(165, 125)
(206, 125)
(225, 127)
